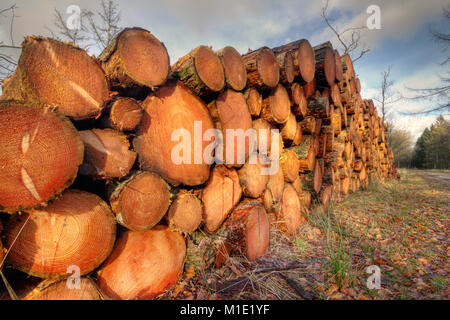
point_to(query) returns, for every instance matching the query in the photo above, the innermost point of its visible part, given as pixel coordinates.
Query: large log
(201, 70)
(141, 201)
(233, 66)
(135, 57)
(262, 68)
(78, 229)
(276, 106)
(58, 75)
(221, 193)
(175, 107)
(230, 114)
(107, 154)
(41, 152)
(303, 58)
(325, 65)
(247, 229)
(157, 258)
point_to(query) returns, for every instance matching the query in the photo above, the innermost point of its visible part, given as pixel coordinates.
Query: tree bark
(262, 68)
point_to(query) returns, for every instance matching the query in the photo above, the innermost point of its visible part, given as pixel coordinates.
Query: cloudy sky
(404, 40)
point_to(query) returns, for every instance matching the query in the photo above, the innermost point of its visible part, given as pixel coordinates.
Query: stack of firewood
(87, 167)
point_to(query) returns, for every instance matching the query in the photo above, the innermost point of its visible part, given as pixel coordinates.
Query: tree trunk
(135, 57)
(201, 70)
(221, 193)
(107, 154)
(230, 112)
(247, 229)
(262, 68)
(41, 152)
(325, 74)
(58, 75)
(233, 66)
(286, 62)
(123, 114)
(276, 106)
(289, 164)
(141, 201)
(185, 213)
(174, 107)
(303, 58)
(78, 229)
(298, 100)
(158, 257)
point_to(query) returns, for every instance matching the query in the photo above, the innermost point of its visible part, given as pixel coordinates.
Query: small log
(275, 185)
(233, 66)
(262, 68)
(247, 229)
(298, 99)
(263, 135)
(107, 154)
(306, 153)
(78, 229)
(298, 135)
(305, 198)
(87, 290)
(59, 75)
(221, 193)
(289, 164)
(267, 200)
(289, 216)
(185, 213)
(141, 201)
(230, 111)
(201, 71)
(347, 66)
(303, 58)
(286, 62)
(252, 177)
(254, 101)
(289, 128)
(325, 196)
(124, 114)
(158, 257)
(339, 71)
(170, 108)
(276, 106)
(325, 65)
(41, 152)
(309, 88)
(135, 57)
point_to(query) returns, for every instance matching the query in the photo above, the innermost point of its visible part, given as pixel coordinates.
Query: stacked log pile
(98, 177)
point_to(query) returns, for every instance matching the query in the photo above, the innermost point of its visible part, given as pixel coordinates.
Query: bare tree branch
(350, 45)
(8, 59)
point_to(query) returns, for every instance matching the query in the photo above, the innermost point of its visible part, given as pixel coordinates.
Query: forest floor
(399, 228)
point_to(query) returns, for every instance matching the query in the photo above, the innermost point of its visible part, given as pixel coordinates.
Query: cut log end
(185, 213)
(41, 152)
(77, 229)
(141, 201)
(87, 290)
(306, 61)
(59, 75)
(235, 73)
(209, 68)
(277, 106)
(158, 257)
(290, 215)
(125, 114)
(268, 68)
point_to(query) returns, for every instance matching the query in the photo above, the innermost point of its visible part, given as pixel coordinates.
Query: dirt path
(443, 176)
